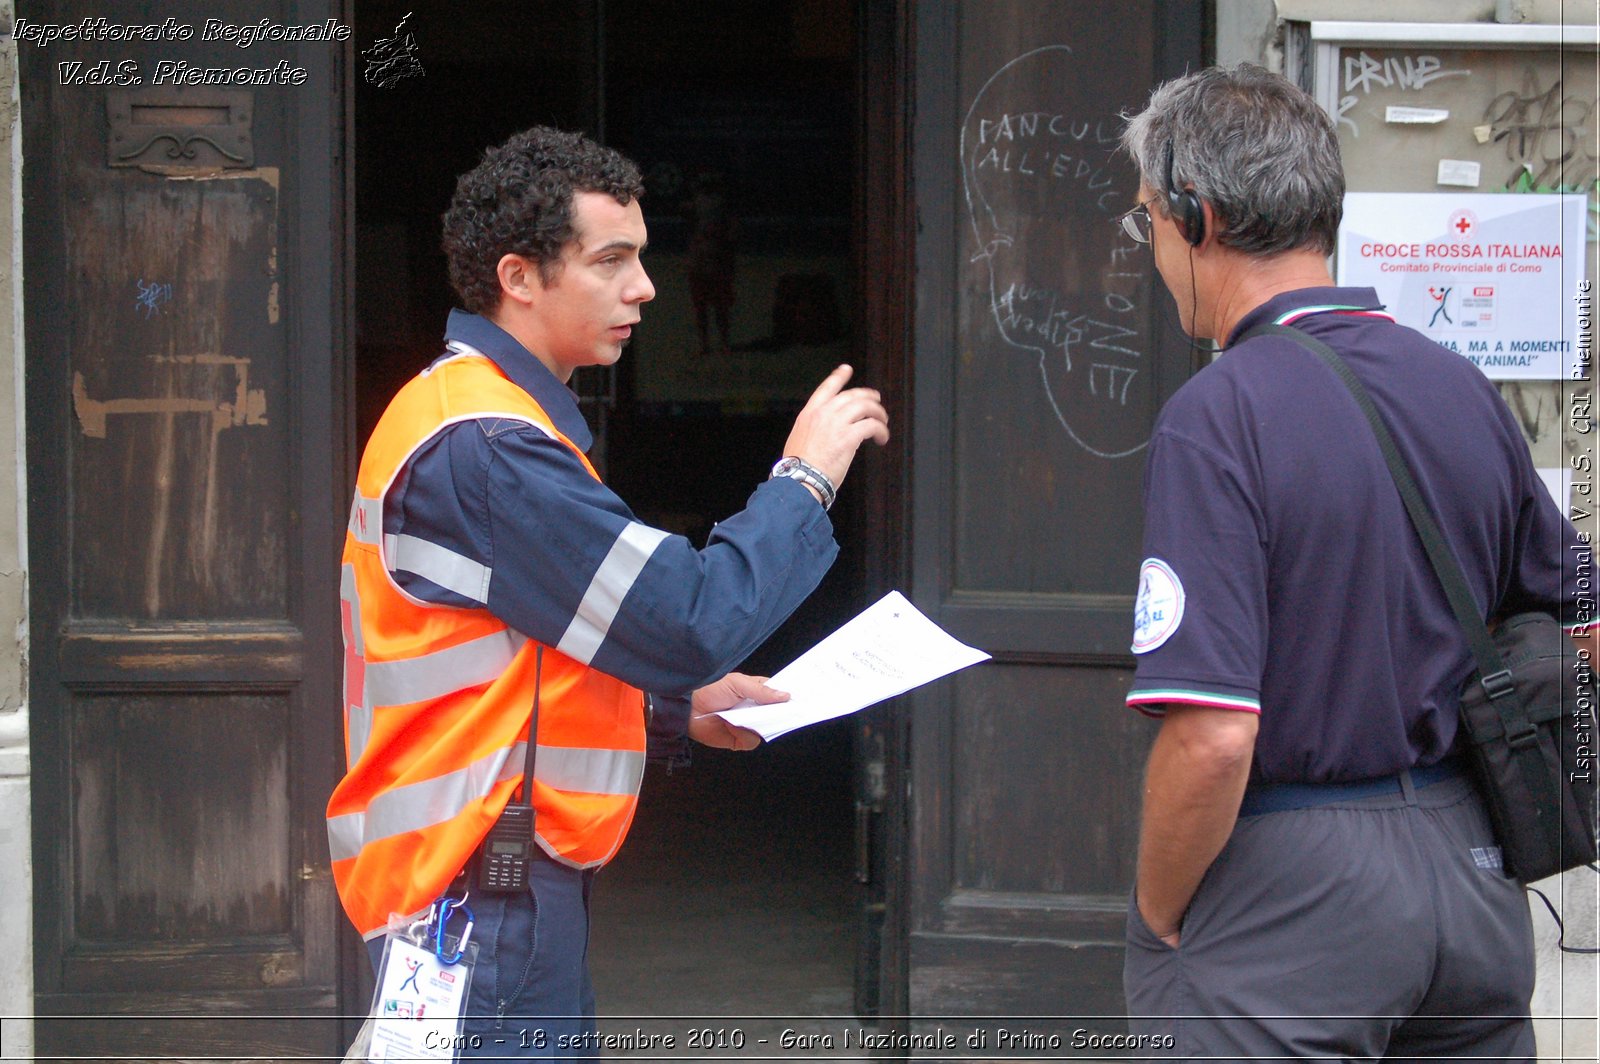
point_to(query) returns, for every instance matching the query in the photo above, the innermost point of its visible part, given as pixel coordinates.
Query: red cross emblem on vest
(355, 666)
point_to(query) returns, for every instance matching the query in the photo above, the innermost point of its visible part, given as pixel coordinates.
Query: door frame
(886, 244)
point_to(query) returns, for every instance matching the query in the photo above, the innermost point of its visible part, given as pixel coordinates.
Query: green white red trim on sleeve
(1150, 701)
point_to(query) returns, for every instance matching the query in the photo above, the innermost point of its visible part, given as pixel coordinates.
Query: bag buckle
(1525, 735)
(1498, 684)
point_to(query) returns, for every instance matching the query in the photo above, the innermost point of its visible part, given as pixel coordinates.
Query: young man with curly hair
(490, 576)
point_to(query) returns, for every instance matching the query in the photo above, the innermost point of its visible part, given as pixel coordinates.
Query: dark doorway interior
(734, 893)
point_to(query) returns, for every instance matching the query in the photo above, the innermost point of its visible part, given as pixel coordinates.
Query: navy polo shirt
(557, 556)
(1282, 574)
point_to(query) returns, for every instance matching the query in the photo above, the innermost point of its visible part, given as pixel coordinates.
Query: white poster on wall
(1491, 276)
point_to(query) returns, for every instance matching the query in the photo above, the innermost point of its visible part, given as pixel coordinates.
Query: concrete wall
(16, 864)
(1565, 993)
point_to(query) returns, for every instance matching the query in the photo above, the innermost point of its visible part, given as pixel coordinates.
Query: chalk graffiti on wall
(1033, 173)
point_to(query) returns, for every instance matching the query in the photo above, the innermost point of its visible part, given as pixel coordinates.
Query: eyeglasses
(1136, 221)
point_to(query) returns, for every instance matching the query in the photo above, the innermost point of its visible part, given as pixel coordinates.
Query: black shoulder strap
(1491, 670)
(533, 726)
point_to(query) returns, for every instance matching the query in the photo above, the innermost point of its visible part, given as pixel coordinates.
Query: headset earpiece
(1183, 206)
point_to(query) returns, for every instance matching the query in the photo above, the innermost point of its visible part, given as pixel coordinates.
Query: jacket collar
(523, 370)
(1290, 307)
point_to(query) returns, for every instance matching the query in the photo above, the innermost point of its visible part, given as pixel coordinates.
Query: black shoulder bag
(1528, 710)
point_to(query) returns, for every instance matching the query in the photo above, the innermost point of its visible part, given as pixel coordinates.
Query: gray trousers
(1380, 928)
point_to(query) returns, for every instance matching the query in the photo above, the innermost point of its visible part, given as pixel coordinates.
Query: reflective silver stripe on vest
(572, 768)
(358, 726)
(611, 584)
(460, 350)
(555, 855)
(428, 676)
(404, 921)
(451, 571)
(371, 529)
(420, 805)
(428, 802)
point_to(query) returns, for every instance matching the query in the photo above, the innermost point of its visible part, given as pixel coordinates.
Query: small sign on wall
(1493, 277)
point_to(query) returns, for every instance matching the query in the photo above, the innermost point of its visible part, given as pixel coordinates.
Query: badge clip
(439, 920)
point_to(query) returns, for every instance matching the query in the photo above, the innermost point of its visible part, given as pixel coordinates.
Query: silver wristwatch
(806, 473)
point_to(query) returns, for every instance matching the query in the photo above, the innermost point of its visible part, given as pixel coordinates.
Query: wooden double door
(189, 448)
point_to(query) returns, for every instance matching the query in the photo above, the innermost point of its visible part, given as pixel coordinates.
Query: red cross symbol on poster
(1462, 223)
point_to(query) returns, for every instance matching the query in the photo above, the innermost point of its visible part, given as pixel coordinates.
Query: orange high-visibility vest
(437, 699)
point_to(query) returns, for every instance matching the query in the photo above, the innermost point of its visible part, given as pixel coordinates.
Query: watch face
(785, 467)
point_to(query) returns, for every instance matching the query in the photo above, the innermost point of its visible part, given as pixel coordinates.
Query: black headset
(1183, 206)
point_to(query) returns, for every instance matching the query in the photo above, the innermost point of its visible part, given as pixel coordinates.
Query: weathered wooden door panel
(1024, 773)
(170, 399)
(184, 297)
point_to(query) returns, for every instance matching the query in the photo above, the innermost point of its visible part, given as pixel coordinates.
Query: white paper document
(886, 650)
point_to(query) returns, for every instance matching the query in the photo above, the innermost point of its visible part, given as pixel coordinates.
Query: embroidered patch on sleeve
(1158, 609)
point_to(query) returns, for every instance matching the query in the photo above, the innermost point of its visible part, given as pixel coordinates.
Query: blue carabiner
(441, 919)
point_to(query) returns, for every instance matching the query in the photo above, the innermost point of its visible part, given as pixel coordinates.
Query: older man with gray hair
(1317, 876)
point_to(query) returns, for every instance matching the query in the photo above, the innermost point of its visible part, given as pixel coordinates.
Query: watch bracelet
(806, 473)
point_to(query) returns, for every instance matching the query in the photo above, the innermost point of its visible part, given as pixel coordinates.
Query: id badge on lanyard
(419, 1004)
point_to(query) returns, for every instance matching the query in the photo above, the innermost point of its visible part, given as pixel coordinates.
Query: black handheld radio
(505, 853)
